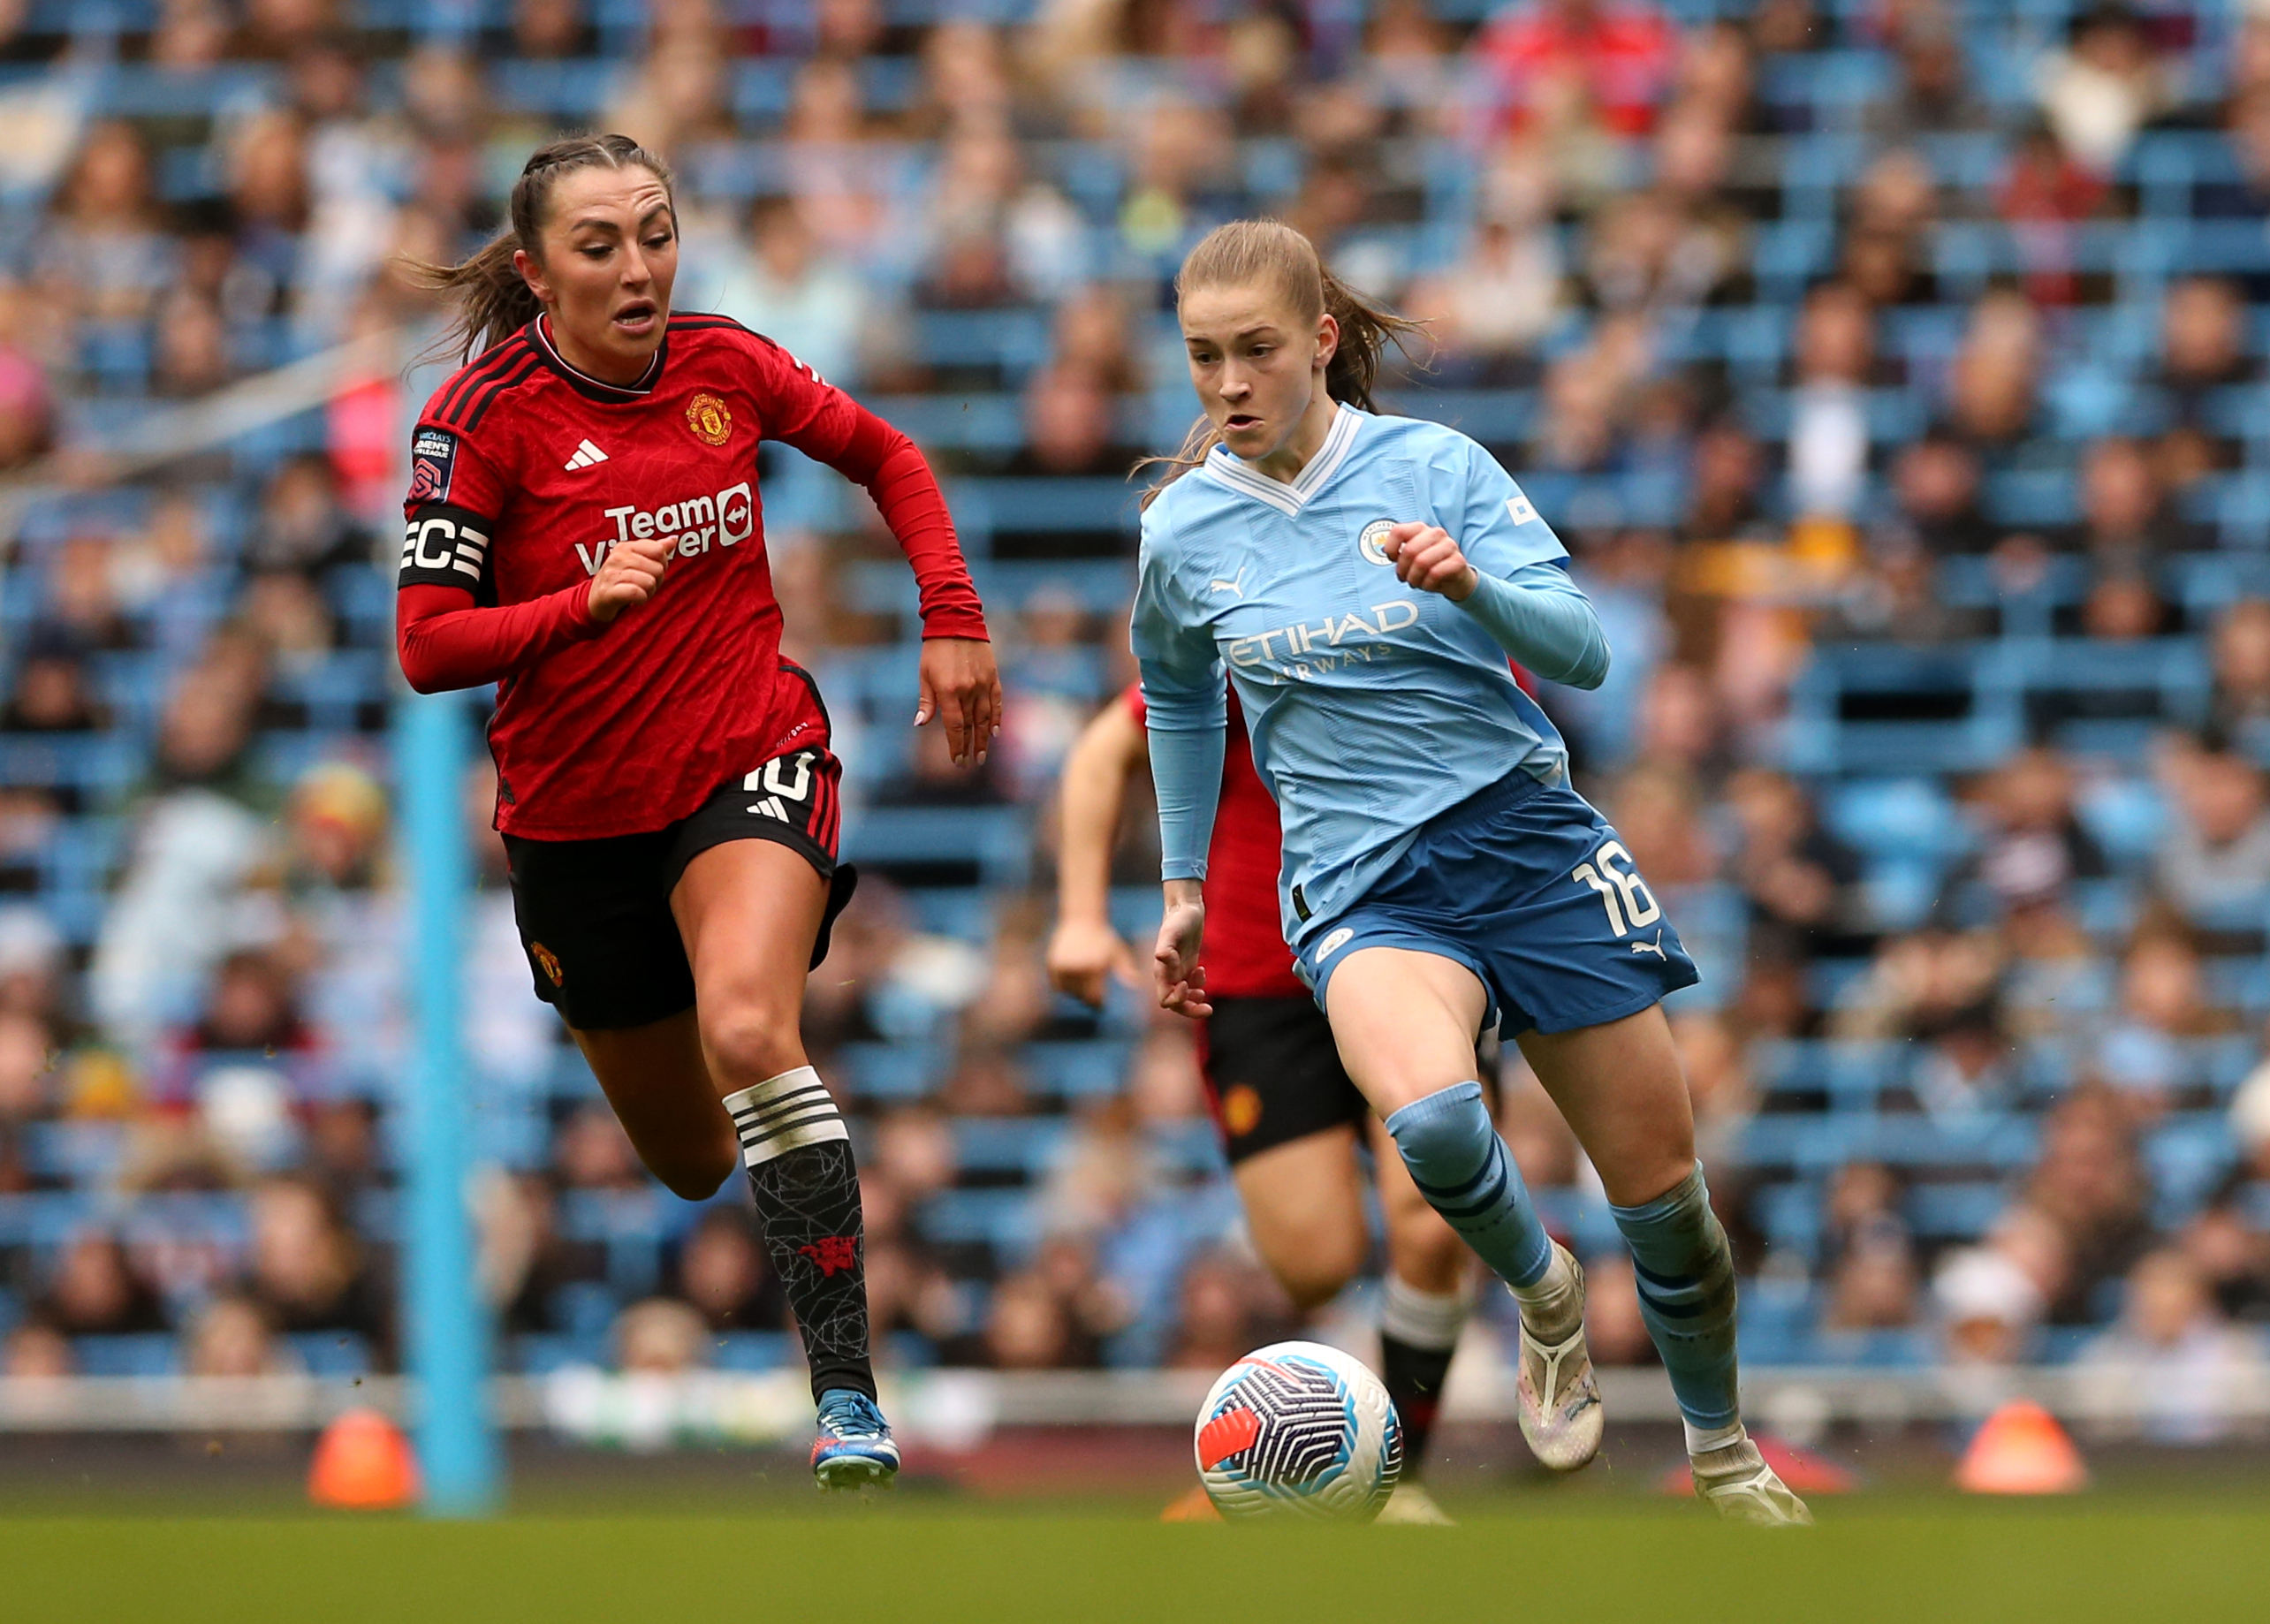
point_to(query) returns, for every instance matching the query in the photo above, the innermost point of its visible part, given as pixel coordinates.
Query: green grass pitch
(2137, 1562)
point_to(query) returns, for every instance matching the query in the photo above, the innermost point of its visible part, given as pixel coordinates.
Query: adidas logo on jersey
(586, 455)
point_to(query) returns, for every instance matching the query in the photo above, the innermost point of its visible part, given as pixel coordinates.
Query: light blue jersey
(1372, 705)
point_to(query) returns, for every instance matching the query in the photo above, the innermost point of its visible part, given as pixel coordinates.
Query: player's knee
(1318, 1269)
(1427, 1253)
(750, 1040)
(696, 1175)
(1313, 1282)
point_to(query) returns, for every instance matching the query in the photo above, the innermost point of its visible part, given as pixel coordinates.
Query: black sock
(1413, 1378)
(1418, 1333)
(807, 1190)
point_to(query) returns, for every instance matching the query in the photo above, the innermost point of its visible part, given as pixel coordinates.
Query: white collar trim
(1231, 470)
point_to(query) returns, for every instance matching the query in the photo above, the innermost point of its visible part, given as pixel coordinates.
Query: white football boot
(1560, 1402)
(1412, 1505)
(1734, 1479)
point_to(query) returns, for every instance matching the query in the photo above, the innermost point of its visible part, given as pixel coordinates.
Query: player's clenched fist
(1425, 556)
(630, 574)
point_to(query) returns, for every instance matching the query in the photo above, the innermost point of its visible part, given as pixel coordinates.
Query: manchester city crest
(1373, 542)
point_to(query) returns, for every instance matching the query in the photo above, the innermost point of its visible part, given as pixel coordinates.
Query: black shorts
(1273, 1075)
(595, 916)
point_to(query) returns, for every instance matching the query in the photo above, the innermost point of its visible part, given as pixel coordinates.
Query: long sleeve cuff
(445, 643)
(1186, 773)
(1543, 620)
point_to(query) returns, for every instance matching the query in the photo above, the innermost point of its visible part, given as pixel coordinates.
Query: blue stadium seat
(568, 93)
(1955, 1211)
(1027, 1146)
(2188, 1155)
(331, 1353)
(1076, 1069)
(754, 1352)
(537, 1354)
(892, 1072)
(992, 838)
(144, 1355)
(1000, 1218)
(584, 1309)
(1936, 716)
(73, 1152)
(1101, 586)
(1015, 340)
(628, 1223)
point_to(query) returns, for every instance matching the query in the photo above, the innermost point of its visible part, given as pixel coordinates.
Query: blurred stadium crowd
(1894, 368)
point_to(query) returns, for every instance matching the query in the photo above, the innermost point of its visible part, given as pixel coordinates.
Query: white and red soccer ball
(1299, 1429)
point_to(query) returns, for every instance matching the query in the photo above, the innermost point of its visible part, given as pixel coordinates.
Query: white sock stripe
(804, 1099)
(763, 1094)
(1423, 1318)
(789, 1124)
(741, 1105)
(1699, 1442)
(819, 1132)
(784, 1113)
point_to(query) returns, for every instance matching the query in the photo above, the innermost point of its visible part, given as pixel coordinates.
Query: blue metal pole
(448, 1328)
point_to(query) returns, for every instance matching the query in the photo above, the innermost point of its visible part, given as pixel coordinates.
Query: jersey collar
(1229, 469)
(582, 382)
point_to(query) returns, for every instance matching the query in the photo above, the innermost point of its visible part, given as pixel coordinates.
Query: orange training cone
(363, 1463)
(2022, 1449)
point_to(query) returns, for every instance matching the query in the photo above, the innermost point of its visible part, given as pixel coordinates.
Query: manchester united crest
(546, 961)
(707, 417)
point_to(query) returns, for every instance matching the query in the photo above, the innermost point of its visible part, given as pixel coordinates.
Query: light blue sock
(1460, 1166)
(1685, 1273)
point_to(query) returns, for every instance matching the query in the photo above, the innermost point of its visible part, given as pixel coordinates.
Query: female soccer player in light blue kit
(1363, 579)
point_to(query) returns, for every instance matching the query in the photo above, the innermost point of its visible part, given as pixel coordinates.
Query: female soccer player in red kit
(1288, 1118)
(585, 530)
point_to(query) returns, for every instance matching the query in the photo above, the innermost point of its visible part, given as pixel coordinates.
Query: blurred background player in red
(584, 530)
(1288, 1116)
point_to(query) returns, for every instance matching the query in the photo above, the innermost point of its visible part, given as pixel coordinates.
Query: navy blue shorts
(1526, 885)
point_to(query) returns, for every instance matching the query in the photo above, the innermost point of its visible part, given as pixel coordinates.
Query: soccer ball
(1299, 1428)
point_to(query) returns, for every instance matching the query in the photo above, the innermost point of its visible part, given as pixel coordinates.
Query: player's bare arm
(1084, 950)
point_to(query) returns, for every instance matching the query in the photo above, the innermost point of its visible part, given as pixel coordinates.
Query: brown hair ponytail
(494, 300)
(1250, 251)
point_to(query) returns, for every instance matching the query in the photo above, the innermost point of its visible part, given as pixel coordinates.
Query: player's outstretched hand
(1425, 556)
(1083, 953)
(960, 684)
(1179, 978)
(630, 574)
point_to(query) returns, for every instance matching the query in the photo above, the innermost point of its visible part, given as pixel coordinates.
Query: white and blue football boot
(853, 1449)
(1558, 1400)
(1736, 1481)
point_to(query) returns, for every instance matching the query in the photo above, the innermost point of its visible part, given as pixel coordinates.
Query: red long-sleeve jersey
(525, 471)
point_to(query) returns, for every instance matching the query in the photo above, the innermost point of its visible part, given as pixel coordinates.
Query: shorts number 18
(1638, 907)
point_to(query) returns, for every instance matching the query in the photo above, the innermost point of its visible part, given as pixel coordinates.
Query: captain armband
(444, 546)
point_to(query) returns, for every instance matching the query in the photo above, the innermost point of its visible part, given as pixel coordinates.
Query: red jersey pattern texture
(525, 473)
(1245, 953)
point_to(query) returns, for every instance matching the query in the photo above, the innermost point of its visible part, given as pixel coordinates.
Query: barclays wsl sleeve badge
(433, 460)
